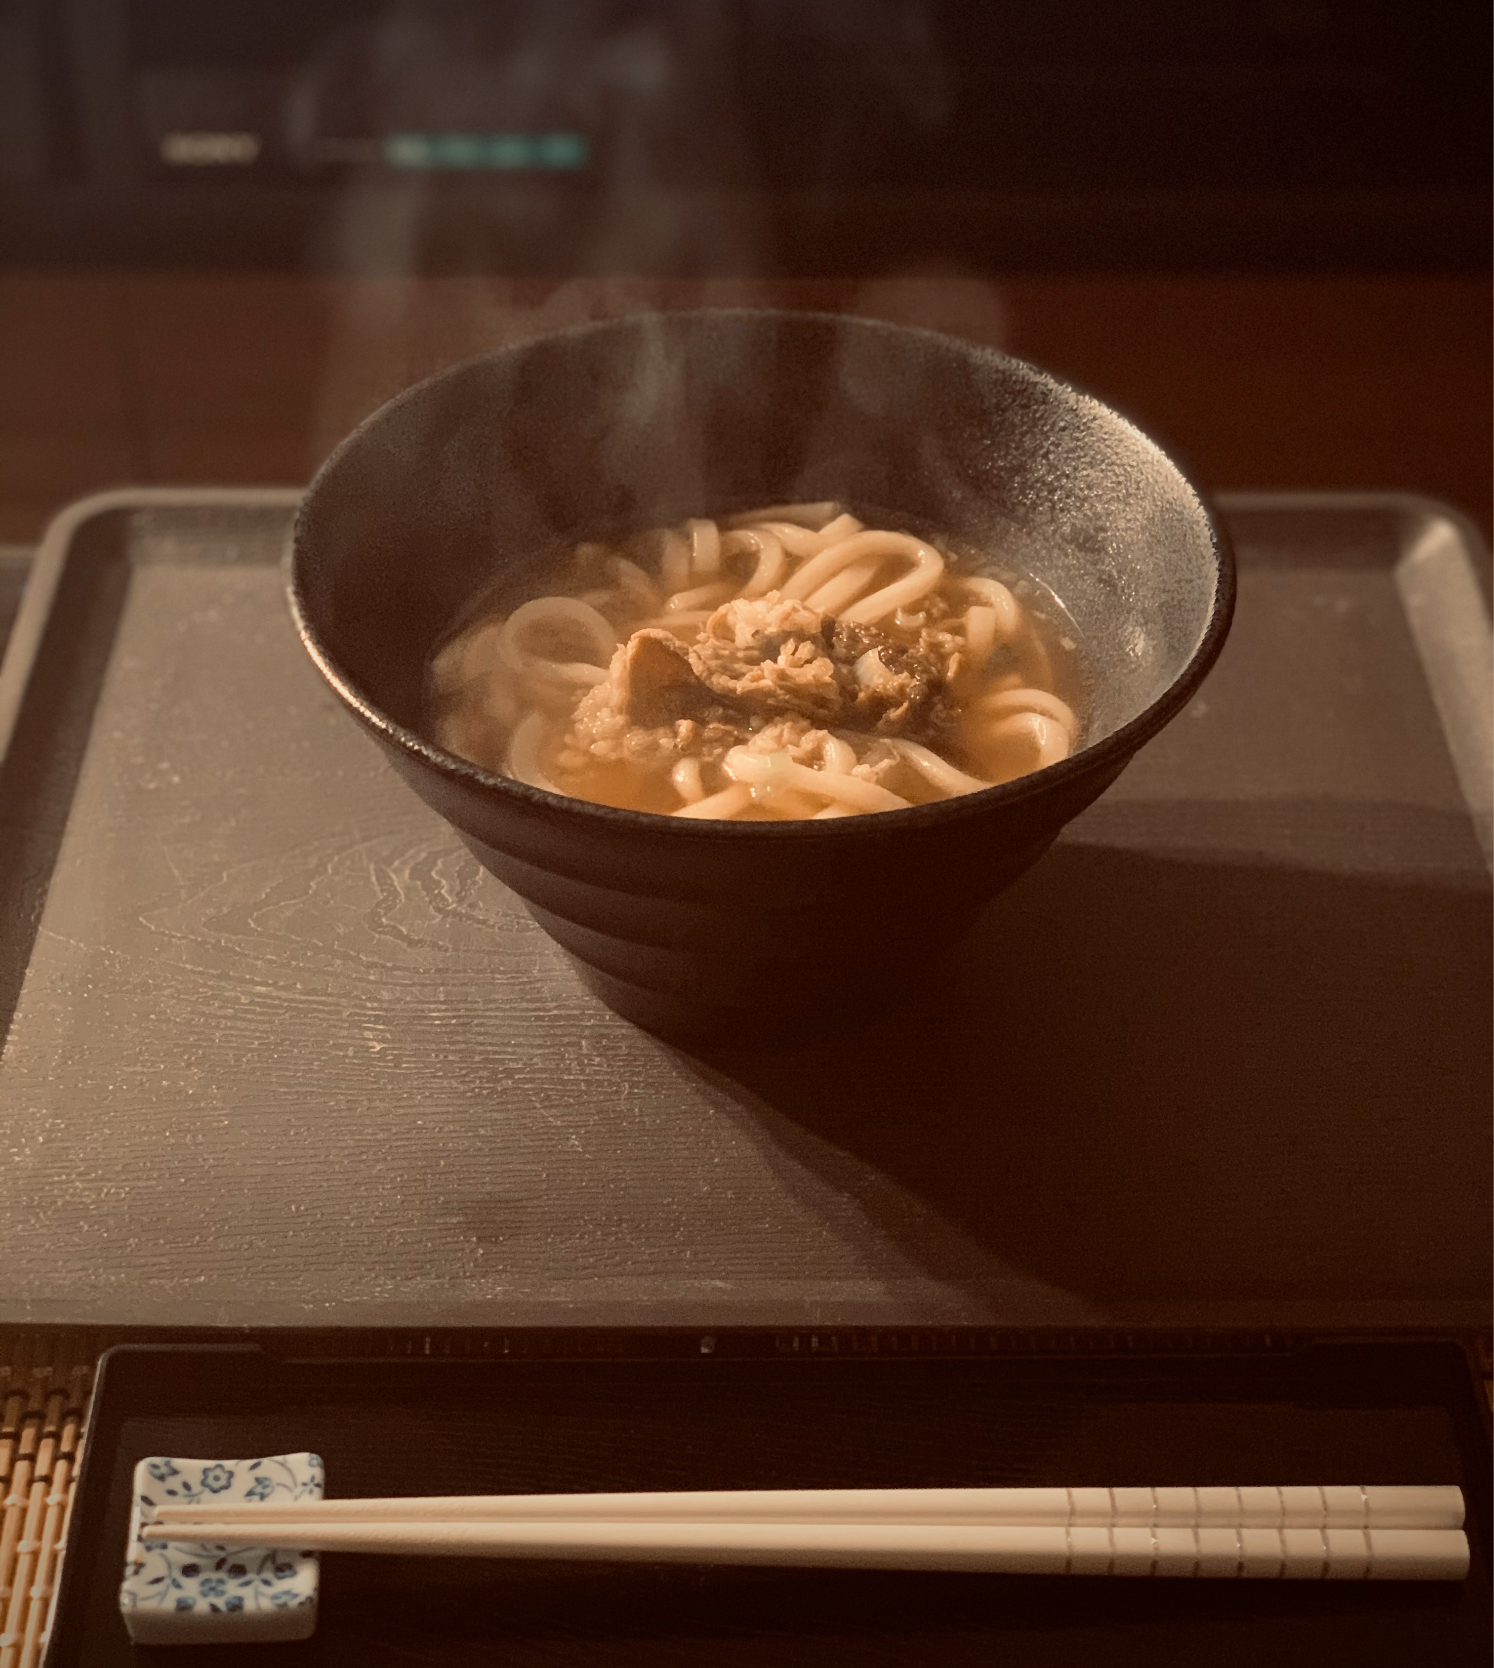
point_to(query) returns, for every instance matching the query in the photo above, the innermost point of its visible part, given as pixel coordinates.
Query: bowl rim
(1113, 749)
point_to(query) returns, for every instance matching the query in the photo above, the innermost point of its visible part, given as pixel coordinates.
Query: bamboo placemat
(46, 1378)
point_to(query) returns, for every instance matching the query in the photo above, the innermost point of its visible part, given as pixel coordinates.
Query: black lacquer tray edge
(1460, 1366)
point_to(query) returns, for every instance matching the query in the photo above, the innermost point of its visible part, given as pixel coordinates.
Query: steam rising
(671, 211)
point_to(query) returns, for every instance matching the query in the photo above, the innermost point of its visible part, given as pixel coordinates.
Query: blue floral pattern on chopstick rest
(189, 1593)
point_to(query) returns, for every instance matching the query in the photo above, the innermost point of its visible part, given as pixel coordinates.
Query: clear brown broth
(1043, 654)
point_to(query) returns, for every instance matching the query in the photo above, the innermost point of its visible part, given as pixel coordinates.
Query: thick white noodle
(981, 624)
(493, 697)
(772, 558)
(833, 810)
(1048, 740)
(580, 673)
(688, 621)
(789, 804)
(701, 597)
(770, 771)
(841, 528)
(993, 594)
(674, 561)
(923, 579)
(705, 548)
(637, 585)
(556, 612)
(837, 755)
(798, 541)
(687, 783)
(837, 593)
(805, 515)
(730, 802)
(824, 564)
(469, 658)
(523, 753)
(928, 569)
(944, 776)
(1004, 703)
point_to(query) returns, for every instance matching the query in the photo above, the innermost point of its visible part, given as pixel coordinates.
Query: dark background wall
(227, 231)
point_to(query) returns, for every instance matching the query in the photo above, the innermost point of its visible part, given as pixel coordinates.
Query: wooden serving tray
(280, 1054)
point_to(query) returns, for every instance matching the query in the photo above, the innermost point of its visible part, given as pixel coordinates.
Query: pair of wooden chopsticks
(1329, 1532)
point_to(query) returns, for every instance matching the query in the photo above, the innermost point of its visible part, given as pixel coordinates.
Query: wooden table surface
(1262, 381)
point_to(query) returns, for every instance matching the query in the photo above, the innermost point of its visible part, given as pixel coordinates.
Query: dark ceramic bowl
(494, 468)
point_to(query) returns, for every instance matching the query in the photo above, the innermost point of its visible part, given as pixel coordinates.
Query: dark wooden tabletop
(282, 1054)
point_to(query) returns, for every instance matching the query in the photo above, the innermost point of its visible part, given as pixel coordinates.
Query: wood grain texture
(284, 1054)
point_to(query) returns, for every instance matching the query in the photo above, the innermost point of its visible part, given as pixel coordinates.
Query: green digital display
(501, 152)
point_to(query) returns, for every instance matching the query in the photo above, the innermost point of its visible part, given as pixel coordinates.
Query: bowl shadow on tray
(1171, 1077)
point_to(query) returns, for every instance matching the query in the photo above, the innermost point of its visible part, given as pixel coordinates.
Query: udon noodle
(784, 664)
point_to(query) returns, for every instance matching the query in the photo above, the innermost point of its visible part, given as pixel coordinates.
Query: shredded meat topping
(795, 736)
(770, 670)
(777, 656)
(769, 656)
(651, 705)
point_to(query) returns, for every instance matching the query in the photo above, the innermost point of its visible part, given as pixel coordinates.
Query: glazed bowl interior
(489, 472)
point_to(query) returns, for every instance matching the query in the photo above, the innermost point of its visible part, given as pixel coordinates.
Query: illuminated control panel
(729, 135)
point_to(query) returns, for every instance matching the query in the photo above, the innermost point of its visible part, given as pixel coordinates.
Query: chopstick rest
(220, 1588)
